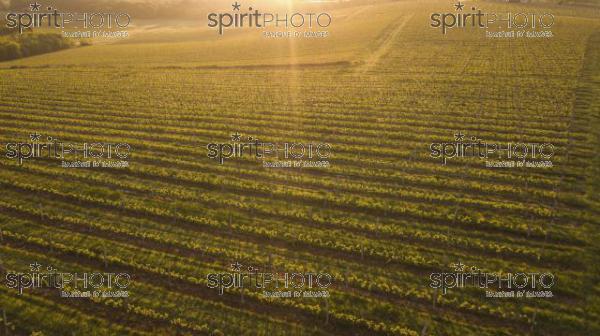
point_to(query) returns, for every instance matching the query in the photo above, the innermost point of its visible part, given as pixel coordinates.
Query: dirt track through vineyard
(384, 47)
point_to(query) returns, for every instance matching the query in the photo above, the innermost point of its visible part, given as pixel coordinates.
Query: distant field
(381, 219)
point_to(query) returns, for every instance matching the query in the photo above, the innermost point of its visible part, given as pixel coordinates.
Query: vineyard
(380, 219)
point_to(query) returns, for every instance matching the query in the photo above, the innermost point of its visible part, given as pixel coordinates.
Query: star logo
(236, 137)
(35, 136)
(236, 267)
(35, 6)
(459, 136)
(35, 267)
(459, 6)
(459, 267)
(236, 6)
